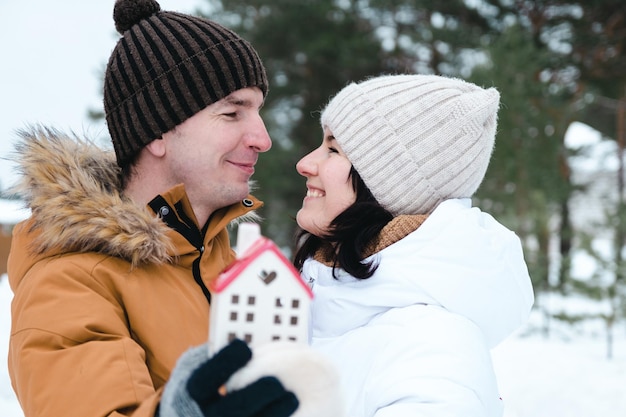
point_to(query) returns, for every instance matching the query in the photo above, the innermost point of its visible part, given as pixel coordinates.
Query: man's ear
(156, 147)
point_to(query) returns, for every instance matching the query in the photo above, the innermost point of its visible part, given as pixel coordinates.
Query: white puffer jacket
(415, 338)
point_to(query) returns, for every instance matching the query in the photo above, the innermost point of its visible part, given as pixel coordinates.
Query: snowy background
(58, 51)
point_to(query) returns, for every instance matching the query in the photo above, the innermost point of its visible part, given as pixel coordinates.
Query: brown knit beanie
(167, 67)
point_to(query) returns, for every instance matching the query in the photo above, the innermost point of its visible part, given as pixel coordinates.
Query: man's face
(214, 152)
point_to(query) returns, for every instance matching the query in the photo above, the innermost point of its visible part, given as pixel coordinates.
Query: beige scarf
(398, 228)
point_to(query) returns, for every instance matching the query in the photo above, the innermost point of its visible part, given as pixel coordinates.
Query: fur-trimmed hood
(72, 188)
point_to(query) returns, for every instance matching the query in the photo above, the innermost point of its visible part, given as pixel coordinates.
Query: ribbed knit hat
(166, 67)
(415, 140)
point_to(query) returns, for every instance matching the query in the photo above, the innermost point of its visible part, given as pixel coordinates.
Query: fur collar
(72, 188)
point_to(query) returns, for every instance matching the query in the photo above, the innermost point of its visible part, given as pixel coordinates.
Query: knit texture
(397, 229)
(176, 401)
(165, 68)
(415, 140)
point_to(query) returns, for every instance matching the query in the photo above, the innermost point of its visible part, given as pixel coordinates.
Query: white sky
(53, 54)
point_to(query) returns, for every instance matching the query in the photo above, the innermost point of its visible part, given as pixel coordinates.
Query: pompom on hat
(415, 140)
(166, 67)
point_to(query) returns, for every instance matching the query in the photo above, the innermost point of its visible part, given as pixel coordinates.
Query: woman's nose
(306, 165)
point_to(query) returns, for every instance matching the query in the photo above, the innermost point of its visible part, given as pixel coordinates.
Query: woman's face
(329, 187)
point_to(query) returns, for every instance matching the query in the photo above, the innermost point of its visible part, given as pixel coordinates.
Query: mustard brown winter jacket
(105, 292)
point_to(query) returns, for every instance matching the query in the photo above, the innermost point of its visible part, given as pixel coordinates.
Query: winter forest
(557, 173)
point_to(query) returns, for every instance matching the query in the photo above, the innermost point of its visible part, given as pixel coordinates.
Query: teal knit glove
(192, 390)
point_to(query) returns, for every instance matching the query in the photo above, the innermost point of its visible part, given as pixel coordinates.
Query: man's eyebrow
(238, 101)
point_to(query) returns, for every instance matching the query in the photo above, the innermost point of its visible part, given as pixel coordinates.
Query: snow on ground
(567, 374)
(564, 375)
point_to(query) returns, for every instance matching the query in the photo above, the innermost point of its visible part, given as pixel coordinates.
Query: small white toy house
(259, 298)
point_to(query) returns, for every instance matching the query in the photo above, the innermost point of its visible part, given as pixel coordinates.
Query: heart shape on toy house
(266, 277)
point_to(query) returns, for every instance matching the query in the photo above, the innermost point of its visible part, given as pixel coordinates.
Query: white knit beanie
(415, 140)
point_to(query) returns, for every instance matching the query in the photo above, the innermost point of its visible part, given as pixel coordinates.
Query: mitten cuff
(176, 401)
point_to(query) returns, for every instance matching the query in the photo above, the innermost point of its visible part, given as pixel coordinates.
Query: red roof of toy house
(257, 248)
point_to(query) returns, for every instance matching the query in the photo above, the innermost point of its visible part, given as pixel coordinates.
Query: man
(110, 273)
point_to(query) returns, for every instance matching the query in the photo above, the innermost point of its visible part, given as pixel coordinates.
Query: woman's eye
(332, 150)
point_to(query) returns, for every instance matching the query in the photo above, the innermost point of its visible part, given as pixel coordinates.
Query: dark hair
(349, 234)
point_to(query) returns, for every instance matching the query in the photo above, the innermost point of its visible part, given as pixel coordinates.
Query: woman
(412, 285)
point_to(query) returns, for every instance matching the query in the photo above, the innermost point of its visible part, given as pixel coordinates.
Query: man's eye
(233, 114)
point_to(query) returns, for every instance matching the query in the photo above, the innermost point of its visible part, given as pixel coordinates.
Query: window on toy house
(295, 303)
(290, 338)
(247, 337)
(234, 315)
(293, 319)
(251, 302)
(234, 299)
